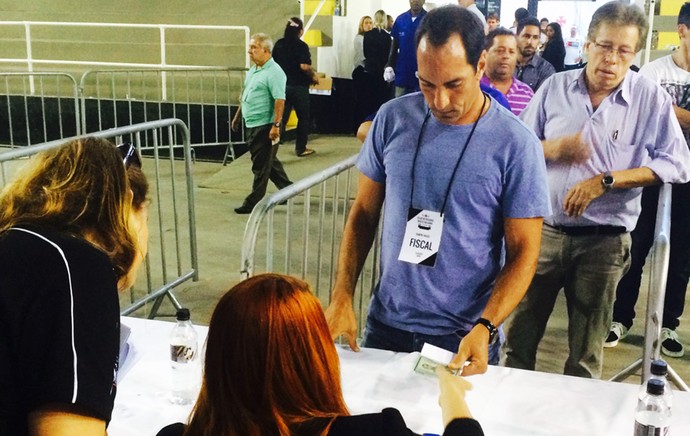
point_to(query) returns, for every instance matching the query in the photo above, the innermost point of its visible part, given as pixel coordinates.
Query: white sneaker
(618, 331)
(670, 344)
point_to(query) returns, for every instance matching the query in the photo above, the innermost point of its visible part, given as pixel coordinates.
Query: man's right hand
(567, 149)
(341, 320)
(235, 124)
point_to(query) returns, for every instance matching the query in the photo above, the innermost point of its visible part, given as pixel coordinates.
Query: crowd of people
(487, 213)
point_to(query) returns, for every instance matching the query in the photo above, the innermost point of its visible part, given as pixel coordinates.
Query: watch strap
(493, 331)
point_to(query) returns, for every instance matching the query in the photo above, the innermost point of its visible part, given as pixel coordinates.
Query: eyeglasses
(608, 49)
(129, 155)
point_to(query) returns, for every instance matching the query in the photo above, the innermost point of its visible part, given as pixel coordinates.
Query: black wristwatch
(493, 331)
(607, 181)
(277, 124)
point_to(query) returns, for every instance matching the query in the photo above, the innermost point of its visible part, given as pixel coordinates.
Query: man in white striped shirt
(501, 58)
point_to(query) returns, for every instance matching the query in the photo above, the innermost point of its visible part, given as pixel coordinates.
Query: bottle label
(181, 353)
(650, 430)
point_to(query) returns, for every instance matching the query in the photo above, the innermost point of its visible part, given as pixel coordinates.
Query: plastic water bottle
(658, 371)
(653, 415)
(183, 352)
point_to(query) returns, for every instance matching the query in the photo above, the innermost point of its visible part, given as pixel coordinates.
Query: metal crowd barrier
(38, 107)
(205, 98)
(172, 258)
(659, 260)
(302, 237)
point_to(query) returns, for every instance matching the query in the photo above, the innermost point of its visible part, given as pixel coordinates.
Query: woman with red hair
(271, 368)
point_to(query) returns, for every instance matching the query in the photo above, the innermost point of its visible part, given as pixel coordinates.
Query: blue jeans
(385, 337)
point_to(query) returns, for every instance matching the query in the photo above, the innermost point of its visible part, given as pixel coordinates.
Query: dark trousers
(679, 262)
(384, 337)
(265, 164)
(297, 97)
(371, 91)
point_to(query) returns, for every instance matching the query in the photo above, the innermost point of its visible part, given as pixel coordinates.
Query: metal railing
(38, 107)
(36, 44)
(205, 98)
(302, 237)
(659, 261)
(59, 107)
(172, 257)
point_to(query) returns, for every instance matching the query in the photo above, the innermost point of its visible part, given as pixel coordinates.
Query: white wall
(336, 61)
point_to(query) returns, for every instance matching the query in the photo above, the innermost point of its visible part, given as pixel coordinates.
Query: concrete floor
(219, 230)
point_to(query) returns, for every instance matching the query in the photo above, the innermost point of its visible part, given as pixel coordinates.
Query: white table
(506, 401)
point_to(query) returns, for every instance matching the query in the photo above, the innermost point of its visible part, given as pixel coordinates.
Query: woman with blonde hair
(271, 368)
(72, 234)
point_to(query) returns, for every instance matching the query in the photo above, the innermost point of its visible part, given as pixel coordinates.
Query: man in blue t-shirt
(460, 176)
(402, 58)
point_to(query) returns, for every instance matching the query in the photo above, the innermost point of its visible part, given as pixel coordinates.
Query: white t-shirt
(573, 51)
(674, 80)
(475, 10)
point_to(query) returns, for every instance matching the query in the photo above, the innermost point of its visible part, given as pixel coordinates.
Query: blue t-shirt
(502, 174)
(403, 31)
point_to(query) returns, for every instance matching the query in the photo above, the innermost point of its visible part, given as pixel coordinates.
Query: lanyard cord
(457, 164)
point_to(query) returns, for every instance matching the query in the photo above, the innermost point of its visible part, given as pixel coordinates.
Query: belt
(590, 230)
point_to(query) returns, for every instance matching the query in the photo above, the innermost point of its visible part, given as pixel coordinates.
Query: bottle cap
(655, 387)
(659, 367)
(183, 314)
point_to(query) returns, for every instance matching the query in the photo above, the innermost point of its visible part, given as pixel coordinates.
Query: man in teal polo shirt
(263, 100)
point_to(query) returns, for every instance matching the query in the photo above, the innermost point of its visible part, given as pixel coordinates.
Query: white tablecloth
(506, 401)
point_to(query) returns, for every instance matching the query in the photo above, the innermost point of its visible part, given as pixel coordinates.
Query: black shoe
(244, 209)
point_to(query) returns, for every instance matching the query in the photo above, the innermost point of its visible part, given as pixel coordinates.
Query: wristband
(490, 327)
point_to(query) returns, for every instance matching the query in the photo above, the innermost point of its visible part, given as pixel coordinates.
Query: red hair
(271, 366)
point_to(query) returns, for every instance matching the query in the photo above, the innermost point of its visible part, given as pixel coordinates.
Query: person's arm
(393, 54)
(456, 414)
(64, 420)
(566, 149)
(358, 236)
(581, 195)
(278, 108)
(309, 71)
(237, 119)
(522, 240)
(683, 116)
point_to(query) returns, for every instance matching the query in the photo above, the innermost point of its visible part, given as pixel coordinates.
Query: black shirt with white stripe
(59, 326)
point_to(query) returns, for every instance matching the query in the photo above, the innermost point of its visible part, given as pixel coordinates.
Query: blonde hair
(360, 30)
(79, 188)
(380, 19)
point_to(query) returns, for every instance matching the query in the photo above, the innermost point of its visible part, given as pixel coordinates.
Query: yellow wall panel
(667, 39)
(327, 9)
(670, 7)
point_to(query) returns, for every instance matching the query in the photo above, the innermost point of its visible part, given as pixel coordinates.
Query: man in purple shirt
(403, 55)
(501, 56)
(531, 68)
(601, 144)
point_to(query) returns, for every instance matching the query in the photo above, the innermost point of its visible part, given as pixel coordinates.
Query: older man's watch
(490, 327)
(607, 181)
(277, 124)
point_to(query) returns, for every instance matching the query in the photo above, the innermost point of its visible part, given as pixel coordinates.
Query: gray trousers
(588, 268)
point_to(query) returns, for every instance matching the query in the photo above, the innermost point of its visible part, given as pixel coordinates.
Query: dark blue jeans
(385, 337)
